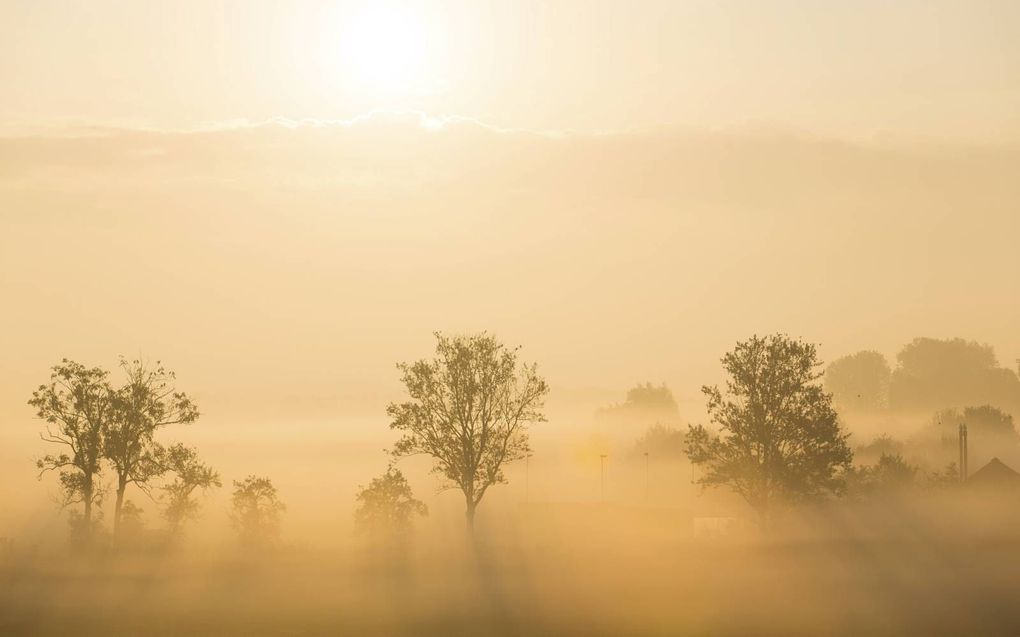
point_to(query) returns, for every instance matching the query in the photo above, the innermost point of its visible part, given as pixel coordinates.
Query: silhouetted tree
(190, 474)
(990, 421)
(881, 445)
(469, 409)
(645, 404)
(935, 374)
(859, 381)
(948, 476)
(991, 433)
(132, 524)
(780, 438)
(147, 402)
(889, 475)
(77, 407)
(257, 511)
(662, 442)
(386, 507)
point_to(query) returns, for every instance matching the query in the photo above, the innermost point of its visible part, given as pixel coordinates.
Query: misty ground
(934, 565)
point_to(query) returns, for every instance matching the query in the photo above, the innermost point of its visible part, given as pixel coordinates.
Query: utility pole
(602, 469)
(647, 477)
(963, 452)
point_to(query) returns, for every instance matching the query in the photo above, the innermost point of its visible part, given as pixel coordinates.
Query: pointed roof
(995, 473)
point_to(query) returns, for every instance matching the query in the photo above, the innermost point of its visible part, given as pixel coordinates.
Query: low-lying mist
(938, 563)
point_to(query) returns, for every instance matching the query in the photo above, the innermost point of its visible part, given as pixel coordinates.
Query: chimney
(963, 452)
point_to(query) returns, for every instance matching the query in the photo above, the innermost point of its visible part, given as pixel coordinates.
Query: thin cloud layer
(354, 240)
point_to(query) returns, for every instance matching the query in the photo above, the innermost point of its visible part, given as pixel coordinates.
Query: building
(995, 474)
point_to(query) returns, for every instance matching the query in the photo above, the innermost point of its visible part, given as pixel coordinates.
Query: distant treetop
(646, 404)
(859, 381)
(935, 374)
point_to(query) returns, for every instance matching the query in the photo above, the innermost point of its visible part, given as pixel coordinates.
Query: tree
(190, 474)
(948, 476)
(934, 374)
(991, 421)
(859, 381)
(663, 442)
(990, 433)
(257, 511)
(77, 407)
(779, 438)
(386, 507)
(469, 409)
(890, 474)
(132, 524)
(645, 404)
(146, 403)
(883, 445)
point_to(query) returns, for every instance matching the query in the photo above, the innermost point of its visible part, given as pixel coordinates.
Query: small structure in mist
(996, 474)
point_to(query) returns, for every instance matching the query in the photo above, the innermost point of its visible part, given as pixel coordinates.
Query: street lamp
(602, 467)
(647, 477)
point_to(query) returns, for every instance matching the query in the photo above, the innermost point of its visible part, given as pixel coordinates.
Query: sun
(385, 48)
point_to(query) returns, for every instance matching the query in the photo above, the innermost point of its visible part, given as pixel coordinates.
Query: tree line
(775, 437)
(930, 374)
(468, 408)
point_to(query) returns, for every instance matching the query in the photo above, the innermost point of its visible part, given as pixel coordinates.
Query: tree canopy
(990, 433)
(934, 374)
(890, 475)
(859, 381)
(190, 474)
(779, 438)
(646, 404)
(147, 402)
(77, 406)
(257, 512)
(469, 409)
(387, 507)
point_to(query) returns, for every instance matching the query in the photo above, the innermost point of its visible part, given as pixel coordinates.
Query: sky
(285, 199)
(282, 200)
(862, 70)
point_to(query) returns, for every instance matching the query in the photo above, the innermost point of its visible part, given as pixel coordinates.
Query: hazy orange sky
(843, 171)
(944, 69)
(281, 200)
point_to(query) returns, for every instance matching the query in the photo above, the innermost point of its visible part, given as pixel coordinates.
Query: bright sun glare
(385, 48)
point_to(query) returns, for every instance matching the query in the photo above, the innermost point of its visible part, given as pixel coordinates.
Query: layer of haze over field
(625, 190)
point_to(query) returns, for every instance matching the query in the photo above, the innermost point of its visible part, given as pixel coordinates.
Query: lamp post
(647, 477)
(602, 469)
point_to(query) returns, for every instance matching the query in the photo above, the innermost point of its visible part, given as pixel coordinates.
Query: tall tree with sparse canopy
(779, 437)
(147, 402)
(469, 409)
(77, 407)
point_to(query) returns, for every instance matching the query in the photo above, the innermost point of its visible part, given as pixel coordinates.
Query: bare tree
(257, 510)
(77, 407)
(469, 409)
(190, 473)
(146, 403)
(780, 437)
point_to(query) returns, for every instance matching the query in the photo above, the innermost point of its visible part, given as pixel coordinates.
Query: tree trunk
(87, 493)
(85, 532)
(469, 514)
(121, 487)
